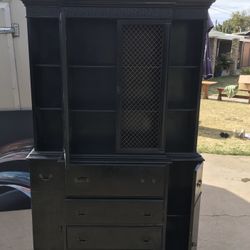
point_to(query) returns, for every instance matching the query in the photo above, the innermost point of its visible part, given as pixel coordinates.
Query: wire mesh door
(141, 86)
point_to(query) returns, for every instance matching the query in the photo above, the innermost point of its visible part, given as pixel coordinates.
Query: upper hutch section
(116, 76)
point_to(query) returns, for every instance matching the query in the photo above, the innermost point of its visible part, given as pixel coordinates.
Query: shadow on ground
(212, 132)
(214, 97)
(224, 220)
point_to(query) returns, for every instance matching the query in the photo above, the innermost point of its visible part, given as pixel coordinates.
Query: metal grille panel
(141, 85)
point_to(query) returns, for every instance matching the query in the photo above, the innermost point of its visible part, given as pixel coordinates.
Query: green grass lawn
(217, 117)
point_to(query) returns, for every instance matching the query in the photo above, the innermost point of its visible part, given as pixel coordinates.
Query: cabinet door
(195, 225)
(47, 201)
(141, 90)
(195, 207)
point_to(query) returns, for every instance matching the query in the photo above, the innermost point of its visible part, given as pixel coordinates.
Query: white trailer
(15, 97)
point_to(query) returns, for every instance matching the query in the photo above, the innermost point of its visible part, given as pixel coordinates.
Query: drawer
(114, 238)
(116, 181)
(47, 176)
(79, 212)
(198, 181)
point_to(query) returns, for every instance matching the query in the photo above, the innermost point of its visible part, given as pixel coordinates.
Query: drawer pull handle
(199, 183)
(81, 179)
(82, 240)
(146, 240)
(147, 214)
(80, 213)
(45, 178)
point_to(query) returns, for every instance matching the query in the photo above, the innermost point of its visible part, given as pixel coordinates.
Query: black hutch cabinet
(115, 91)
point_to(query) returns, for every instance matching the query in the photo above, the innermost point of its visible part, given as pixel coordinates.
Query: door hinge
(14, 30)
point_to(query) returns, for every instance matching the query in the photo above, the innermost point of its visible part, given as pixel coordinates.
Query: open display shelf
(47, 92)
(115, 92)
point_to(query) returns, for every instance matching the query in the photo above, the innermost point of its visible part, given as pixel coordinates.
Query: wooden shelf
(140, 111)
(93, 110)
(47, 65)
(49, 109)
(143, 66)
(183, 67)
(91, 66)
(181, 109)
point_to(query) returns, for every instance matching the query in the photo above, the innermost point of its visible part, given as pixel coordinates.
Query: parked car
(15, 176)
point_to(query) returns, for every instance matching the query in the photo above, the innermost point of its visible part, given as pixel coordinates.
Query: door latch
(14, 30)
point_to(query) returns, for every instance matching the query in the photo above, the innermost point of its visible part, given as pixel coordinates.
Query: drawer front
(114, 238)
(198, 181)
(79, 212)
(47, 176)
(116, 181)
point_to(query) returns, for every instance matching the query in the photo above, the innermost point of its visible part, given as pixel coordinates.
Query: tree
(239, 22)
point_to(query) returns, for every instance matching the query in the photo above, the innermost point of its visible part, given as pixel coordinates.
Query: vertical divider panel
(204, 32)
(64, 70)
(118, 88)
(31, 62)
(163, 117)
(165, 83)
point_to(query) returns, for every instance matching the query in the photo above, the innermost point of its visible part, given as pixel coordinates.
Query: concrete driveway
(225, 209)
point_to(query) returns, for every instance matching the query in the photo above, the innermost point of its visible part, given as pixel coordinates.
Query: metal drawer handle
(80, 213)
(81, 240)
(45, 178)
(147, 240)
(147, 214)
(81, 179)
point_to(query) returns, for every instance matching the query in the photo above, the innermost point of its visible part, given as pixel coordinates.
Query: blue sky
(222, 9)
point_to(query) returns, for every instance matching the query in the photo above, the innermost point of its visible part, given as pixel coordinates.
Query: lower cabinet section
(116, 238)
(120, 207)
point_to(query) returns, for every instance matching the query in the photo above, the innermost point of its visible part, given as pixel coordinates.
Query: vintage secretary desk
(116, 91)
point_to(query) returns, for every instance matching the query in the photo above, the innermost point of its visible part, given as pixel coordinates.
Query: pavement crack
(226, 215)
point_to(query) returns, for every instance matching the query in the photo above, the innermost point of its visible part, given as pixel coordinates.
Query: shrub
(245, 71)
(224, 61)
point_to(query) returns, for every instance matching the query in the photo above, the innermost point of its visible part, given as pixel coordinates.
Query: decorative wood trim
(66, 3)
